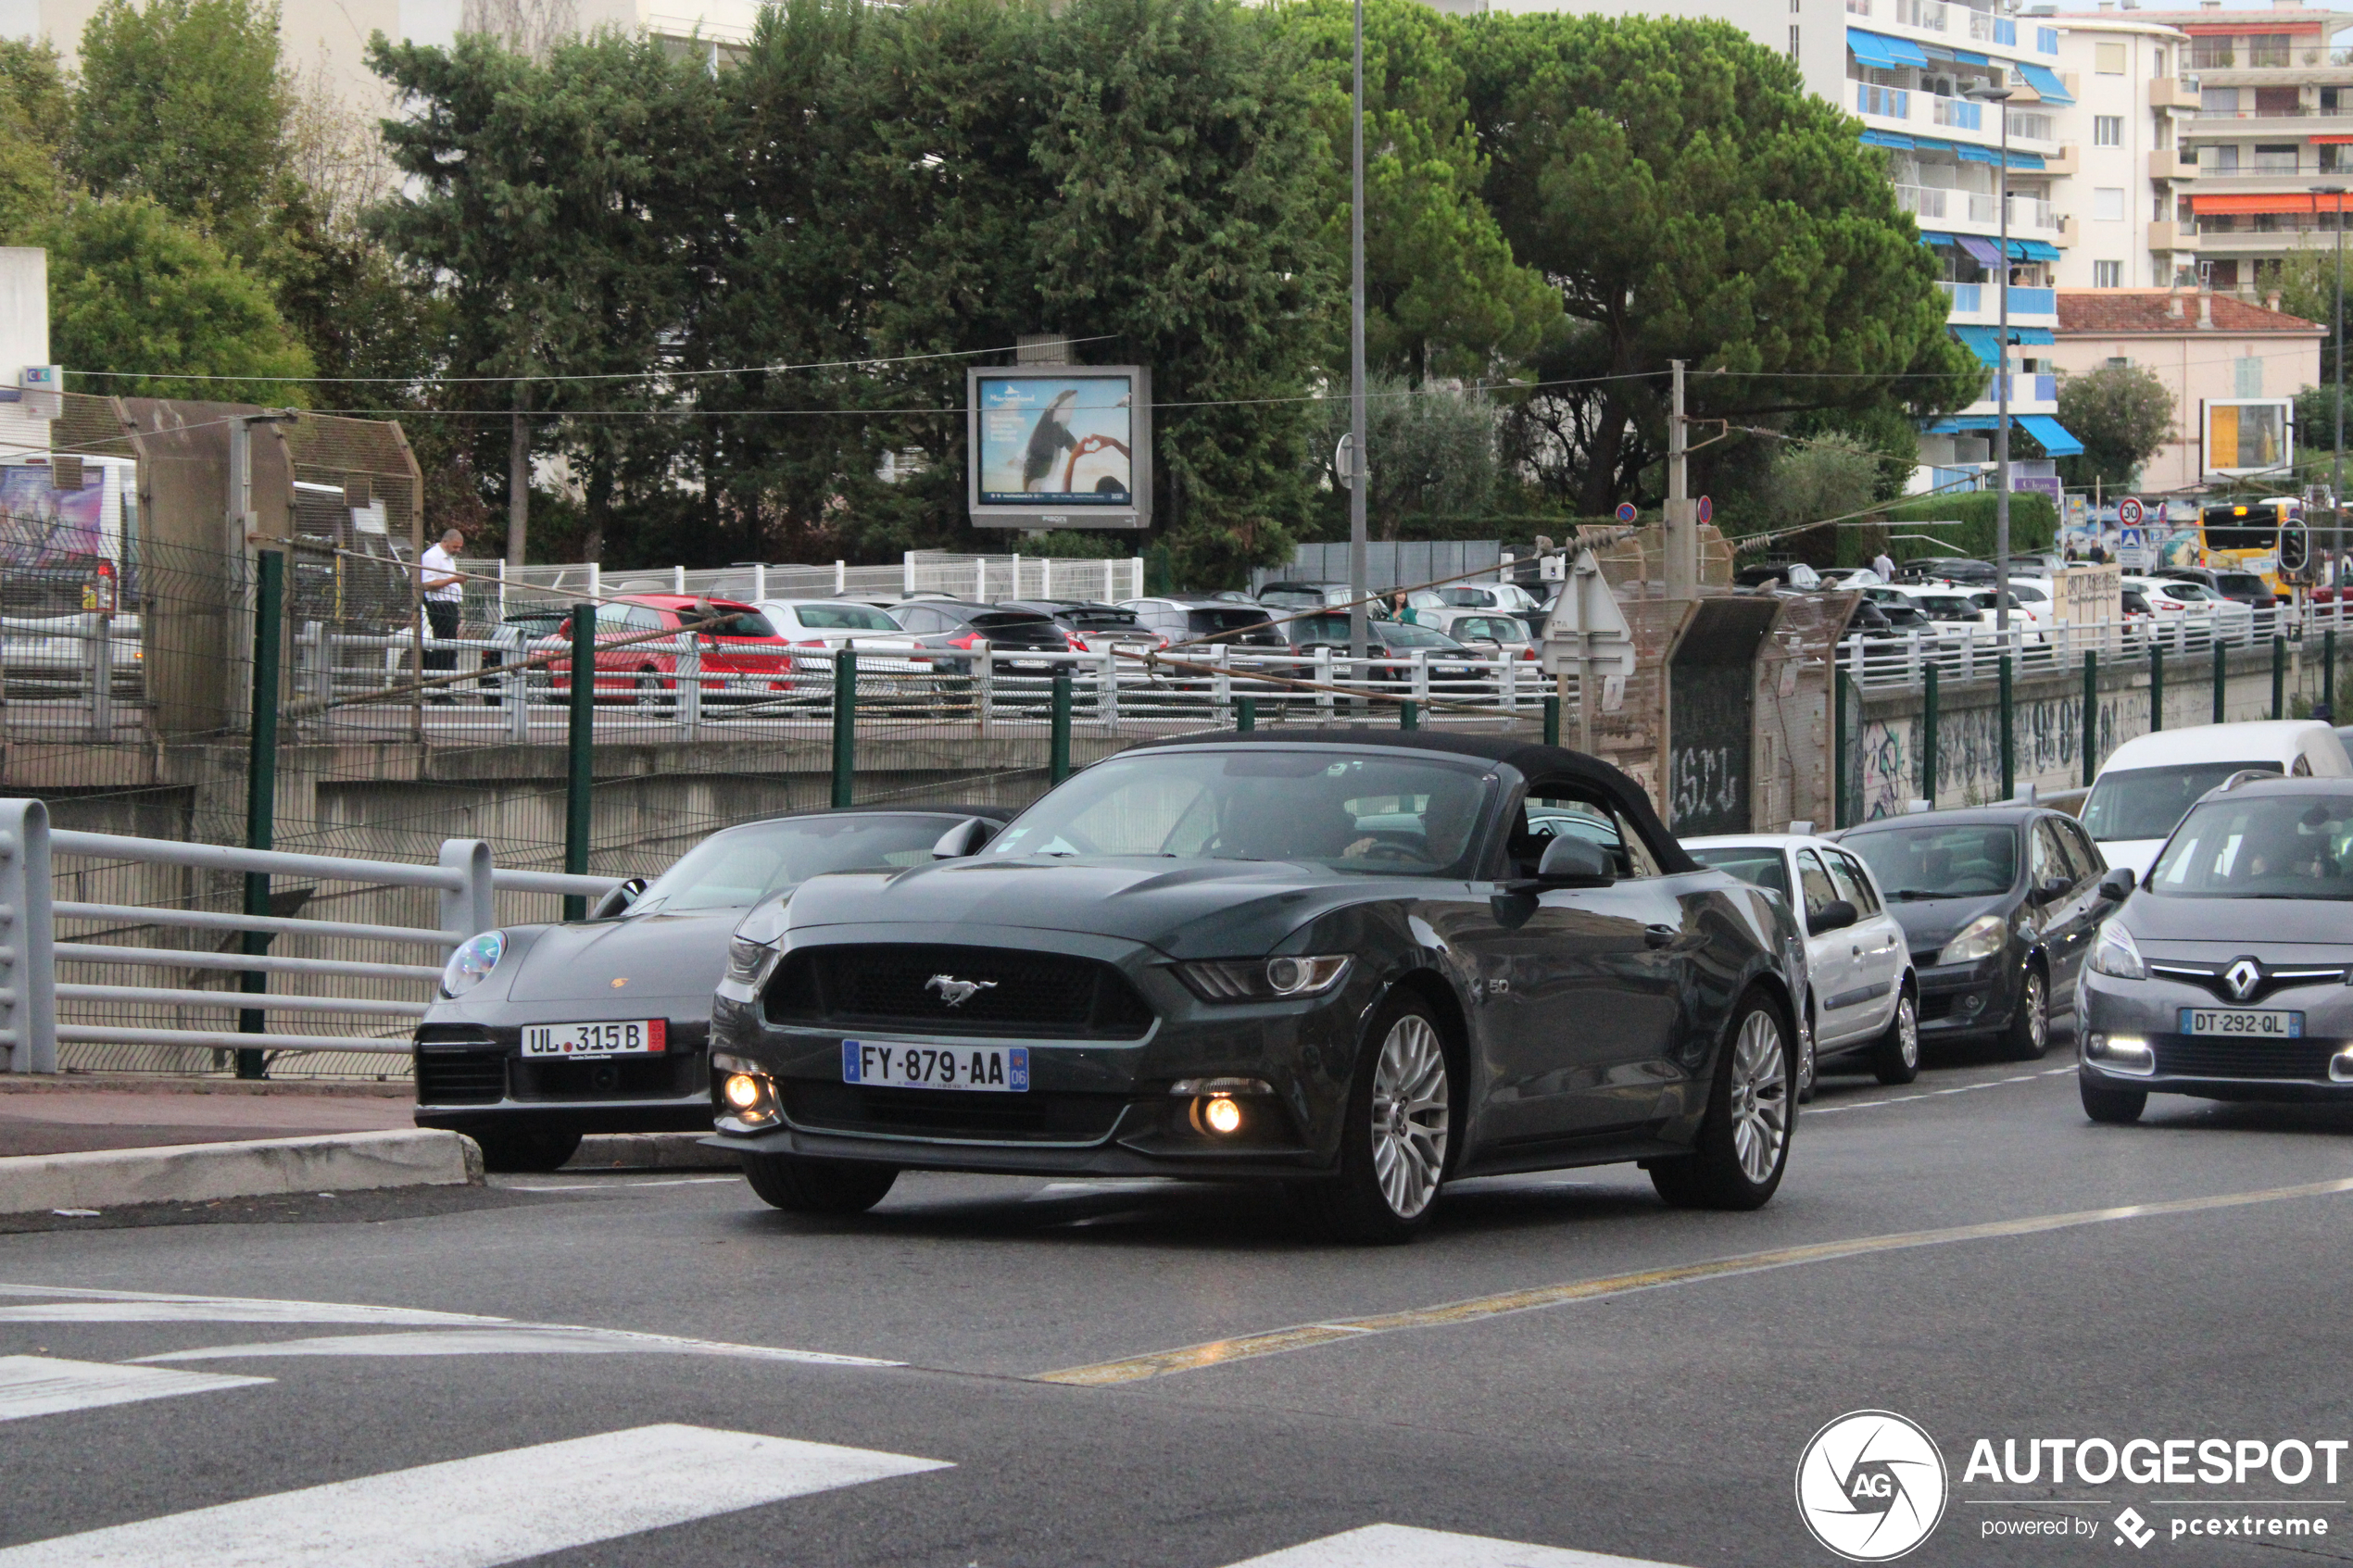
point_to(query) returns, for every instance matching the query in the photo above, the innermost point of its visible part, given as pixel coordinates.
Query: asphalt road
(1607, 1377)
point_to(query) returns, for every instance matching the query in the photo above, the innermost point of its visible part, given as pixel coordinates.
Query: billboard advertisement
(42, 526)
(2248, 435)
(1060, 447)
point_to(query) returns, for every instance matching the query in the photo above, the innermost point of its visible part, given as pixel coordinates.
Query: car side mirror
(2117, 884)
(618, 899)
(965, 839)
(1836, 915)
(2051, 889)
(1569, 861)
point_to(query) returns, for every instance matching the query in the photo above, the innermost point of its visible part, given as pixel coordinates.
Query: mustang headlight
(748, 960)
(1981, 938)
(475, 958)
(2115, 955)
(1263, 980)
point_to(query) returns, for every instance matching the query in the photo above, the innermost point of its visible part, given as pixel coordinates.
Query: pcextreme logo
(1870, 1486)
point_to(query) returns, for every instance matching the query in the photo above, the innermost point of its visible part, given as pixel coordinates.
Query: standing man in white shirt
(445, 589)
(1882, 564)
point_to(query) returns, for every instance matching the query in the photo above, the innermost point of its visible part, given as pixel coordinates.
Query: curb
(198, 1172)
(650, 1151)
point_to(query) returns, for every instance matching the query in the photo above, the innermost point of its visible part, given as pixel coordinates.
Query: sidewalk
(75, 1114)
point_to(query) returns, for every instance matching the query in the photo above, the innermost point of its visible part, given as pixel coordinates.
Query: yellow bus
(2266, 537)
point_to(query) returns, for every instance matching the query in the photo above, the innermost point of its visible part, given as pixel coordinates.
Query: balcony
(2168, 92)
(1960, 113)
(2025, 393)
(2027, 127)
(1987, 27)
(1924, 201)
(2167, 235)
(1925, 14)
(2064, 161)
(1980, 305)
(1887, 103)
(2167, 163)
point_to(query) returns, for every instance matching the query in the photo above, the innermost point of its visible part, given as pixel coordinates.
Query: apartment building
(2131, 175)
(2273, 118)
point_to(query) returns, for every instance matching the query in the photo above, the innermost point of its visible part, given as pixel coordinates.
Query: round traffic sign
(1707, 508)
(1626, 511)
(2128, 511)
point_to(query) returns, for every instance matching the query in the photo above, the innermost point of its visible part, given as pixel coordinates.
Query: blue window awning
(2026, 161)
(1976, 154)
(2032, 335)
(1939, 237)
(2045, 80)
(2034, 250)
(1982, 340)
(1982, 250)
(2051, 433)
(1883, 49)
(1969, 57)
(1886, 139)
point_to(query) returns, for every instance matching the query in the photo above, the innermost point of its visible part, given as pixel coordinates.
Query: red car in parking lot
(741, 657)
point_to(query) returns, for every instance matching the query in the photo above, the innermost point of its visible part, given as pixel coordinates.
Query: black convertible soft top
(1535, 762)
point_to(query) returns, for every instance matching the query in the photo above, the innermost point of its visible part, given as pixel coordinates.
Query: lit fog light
(745, 1092)
(2127, 1053)
(1221, 1116)
(2341, 1067)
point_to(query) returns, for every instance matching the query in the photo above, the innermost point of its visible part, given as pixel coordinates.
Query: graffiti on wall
(2047, 737)
(1708, 788)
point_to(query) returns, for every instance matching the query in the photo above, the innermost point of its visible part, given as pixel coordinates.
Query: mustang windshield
(737, 869)
(1398, 816)
(1959, 862)
(2278, 846)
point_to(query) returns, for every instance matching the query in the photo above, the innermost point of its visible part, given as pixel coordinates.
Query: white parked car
(2149, 782)
(1509, 597)
(2195, 607)
(842, 623)
(1474, 629)
(1862, 1000)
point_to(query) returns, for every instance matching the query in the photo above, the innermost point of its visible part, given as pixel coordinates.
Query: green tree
(2121, 414)
(1432, 454)
(2307, 288)
(1694, 202)
(32, 113)
(183, 102)
(1817, 479)
(1443, 294)
(135, 293)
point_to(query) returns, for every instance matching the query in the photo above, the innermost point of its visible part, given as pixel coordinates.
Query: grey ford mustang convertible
(1360, 963)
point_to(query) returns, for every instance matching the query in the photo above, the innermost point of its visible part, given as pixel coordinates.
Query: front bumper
(1967, 998)
(1094, 1106)
(472, 1077)
(2298, 1069)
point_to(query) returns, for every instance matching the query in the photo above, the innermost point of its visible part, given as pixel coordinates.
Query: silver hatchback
(2224, 976)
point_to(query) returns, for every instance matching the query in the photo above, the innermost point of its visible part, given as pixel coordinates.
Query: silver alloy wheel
(1760, 1097)
(2038, 1011)
(1907, 1029)
(1411, 1116)
(1809, 1067)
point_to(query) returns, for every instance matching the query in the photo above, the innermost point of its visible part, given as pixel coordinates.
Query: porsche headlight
(1981, 938)
(474, 960)
(2115, 955)
(1263, 980)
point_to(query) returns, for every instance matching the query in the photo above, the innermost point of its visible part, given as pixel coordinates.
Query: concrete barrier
(200, 1173)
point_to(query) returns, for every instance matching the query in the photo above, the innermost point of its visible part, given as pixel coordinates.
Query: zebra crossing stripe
(493, 1509)
(52, 1386)
(1401, 1546)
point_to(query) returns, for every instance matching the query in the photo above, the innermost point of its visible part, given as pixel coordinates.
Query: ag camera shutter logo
(1870, 1486)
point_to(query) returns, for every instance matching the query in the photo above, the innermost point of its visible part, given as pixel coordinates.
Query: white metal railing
(1961, 651)
(983, 578)
(1923, 201)
(31, 1032)
(1956, 112)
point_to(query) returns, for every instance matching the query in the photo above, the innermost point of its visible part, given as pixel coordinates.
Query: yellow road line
(1303, 1337)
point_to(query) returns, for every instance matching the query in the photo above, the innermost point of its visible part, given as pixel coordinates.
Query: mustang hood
(1187, 908)
(659, 956)
(1929, 924)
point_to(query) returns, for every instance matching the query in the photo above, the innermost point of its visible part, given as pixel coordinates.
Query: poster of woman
(1060, 440)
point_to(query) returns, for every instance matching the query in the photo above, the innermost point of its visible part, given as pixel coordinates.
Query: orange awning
(2284, 201)
(2329, 141)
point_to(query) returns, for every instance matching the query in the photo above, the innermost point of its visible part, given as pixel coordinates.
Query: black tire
(1897, 1057)
(2029, 1034)
(1750, 1097)
(2106, 1103)
(1384, 1201)
(646, 691)
(800, 1186)
(515, 1148)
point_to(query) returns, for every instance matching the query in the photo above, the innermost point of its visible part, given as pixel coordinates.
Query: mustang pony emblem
(955, 992)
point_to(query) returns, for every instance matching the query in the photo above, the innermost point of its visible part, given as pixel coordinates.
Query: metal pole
(2279, 675)
(2002, 431)
(2009, 742)
(579, 752)
(845, 725)
(2337, 461)
(1245, 714)
(1058, 744)
(1360, 472)
(1409, 715)
(1927, 737)
(2221, 675)
(261, 788)
(1678, 529)
(1838, 745)
(518, 485)
(2328, 670)
(1553, 720)
(2156, 686)
(2091, 713)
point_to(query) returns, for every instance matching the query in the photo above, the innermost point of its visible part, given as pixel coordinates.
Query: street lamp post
(1358, 470)
(1999, 98)
(2336, 464)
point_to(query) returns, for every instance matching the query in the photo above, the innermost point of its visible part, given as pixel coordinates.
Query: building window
(2246, 377)
(2107, 130)
(2118, 362)
(2275, 159)
(2269, 49)
(2108, 204)
(1792, 37)
(2158, 70)
(2047, 40)
(2218, 100)
(2221, 159)
(2108, 275)
(2108, 60)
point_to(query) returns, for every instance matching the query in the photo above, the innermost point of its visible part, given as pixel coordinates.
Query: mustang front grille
(931, 989)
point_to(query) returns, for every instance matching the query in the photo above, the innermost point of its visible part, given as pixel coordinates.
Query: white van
(2148, 784)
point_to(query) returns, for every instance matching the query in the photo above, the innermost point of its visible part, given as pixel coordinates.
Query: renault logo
(955, 992)
(2242, 978)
